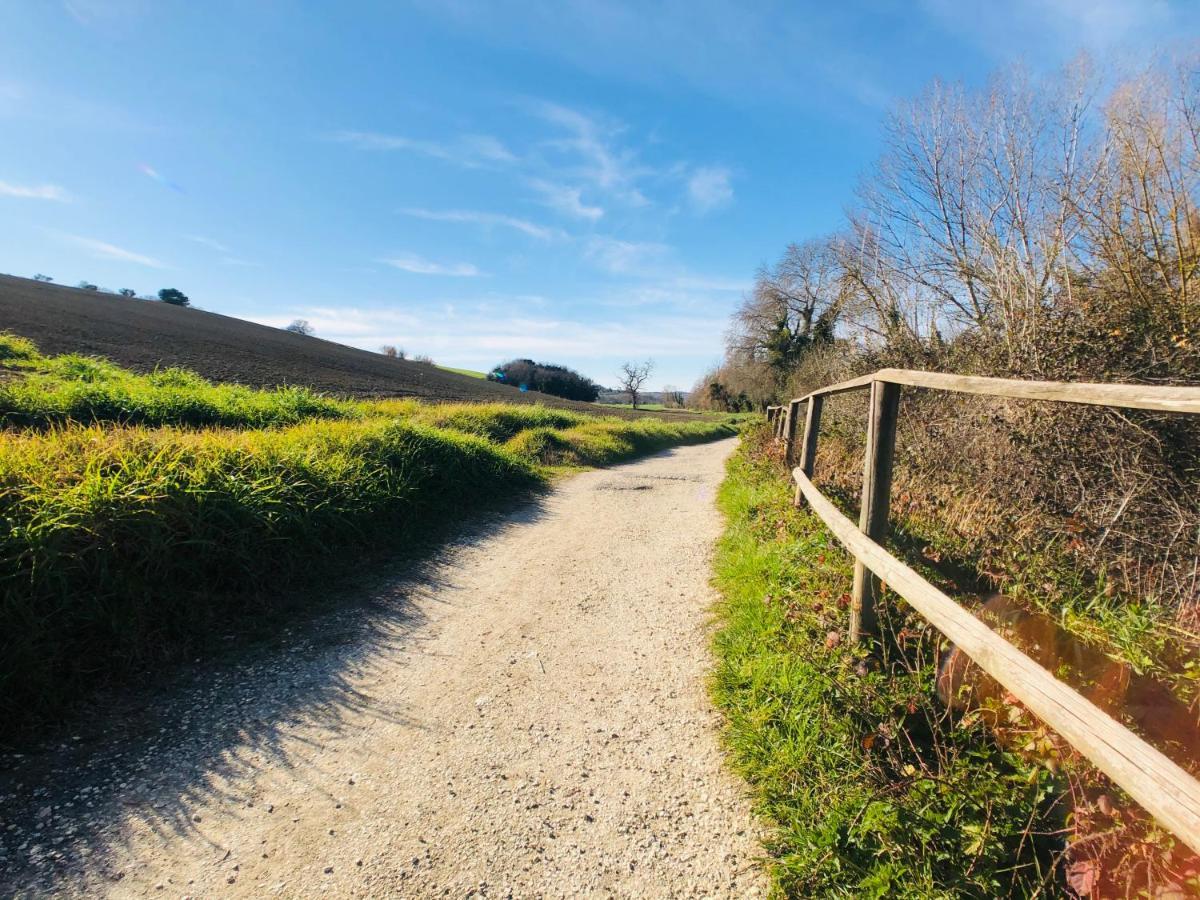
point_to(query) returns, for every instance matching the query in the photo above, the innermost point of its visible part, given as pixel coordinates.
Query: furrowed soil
(524, 716)
(145, 334)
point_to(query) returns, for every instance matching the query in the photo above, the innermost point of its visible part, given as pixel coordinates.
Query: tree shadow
(144, 756)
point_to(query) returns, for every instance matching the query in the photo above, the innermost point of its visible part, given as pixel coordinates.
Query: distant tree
(423, 358)
(672, 397)
(40, 277)
(390, 351)
(127, 292)
(633, 376)
(300, 326)
(547, 378)
(173, 296)
(87, 286)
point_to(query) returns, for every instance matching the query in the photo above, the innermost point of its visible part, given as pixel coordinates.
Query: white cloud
(487, 219)
(626, 257)
(490, 338)
(102, 250)
(596, 158)
(35, 192)
(566, 200)
(207, 242)
(410, 262)
(1062, 25)
(709, 188)
(471, 150)
(92, 12)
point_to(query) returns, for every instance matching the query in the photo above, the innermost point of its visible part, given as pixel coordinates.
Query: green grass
(470, 373)
(125, 545)
(43, 391)
(868, 788)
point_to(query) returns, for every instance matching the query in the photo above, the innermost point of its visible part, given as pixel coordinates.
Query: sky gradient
(578, 182)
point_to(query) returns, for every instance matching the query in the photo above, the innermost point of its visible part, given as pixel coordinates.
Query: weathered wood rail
(1161, 786)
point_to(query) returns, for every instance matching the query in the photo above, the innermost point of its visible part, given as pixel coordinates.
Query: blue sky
(580, 182)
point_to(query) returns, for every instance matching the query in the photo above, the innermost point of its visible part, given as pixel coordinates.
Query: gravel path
(526, 717)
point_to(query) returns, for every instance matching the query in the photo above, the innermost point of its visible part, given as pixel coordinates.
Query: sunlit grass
(133, 523)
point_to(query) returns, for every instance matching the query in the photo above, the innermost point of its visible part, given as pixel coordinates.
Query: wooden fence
(1158, 784)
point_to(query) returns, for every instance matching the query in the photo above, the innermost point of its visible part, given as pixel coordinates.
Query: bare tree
(672, 397)
(300, 326)
(632, 376)
(794, 305)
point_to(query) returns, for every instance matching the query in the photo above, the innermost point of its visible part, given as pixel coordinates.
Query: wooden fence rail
(1163, 788)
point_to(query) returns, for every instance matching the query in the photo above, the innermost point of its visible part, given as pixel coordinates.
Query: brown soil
(142, 335)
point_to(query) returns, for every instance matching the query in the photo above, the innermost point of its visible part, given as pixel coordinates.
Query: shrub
(174, 297)
(559, 381)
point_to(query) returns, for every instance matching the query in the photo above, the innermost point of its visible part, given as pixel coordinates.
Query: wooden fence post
(876, 493)
(808, 449)
(812, 426)
(789, 431)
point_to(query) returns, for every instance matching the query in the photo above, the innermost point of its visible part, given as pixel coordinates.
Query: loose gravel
(524, 717)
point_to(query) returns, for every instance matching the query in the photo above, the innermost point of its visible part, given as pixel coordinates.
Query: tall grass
(123, 545)
(869, 788)
(73, 388)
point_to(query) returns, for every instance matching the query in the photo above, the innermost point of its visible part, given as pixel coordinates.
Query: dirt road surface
(524, 717)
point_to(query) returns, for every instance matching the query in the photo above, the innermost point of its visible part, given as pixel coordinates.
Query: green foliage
(498, 421)
(173, 296)
(119, 544)
(86, 389)
(123, 545)
(869, 788)
(546, 378)
(14, 349)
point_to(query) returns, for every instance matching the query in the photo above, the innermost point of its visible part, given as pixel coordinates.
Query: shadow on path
(145, 757)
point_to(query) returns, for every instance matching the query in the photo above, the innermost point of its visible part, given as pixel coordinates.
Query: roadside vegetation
(144, 513)
(869, 787)
(1043, 227)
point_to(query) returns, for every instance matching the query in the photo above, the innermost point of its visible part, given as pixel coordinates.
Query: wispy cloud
(207, 242)
(153, 173)
(103, 250)
(485, 337)
(487, 219)
(92, 12)
(1063, 24)
(566, 200)
(626, 257)
(410, 262)
(709, 188)
(35, 192)
(595, 156)
(470, 150)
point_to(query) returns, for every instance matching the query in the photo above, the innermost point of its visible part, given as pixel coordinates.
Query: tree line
(1040, 226)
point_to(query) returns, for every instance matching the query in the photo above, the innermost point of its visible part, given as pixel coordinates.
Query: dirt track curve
(526, 717)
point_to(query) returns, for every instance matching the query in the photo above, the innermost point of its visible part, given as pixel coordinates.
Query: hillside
(141, 335)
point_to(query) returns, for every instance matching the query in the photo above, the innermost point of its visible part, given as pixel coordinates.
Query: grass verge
(869, 788)
(42, 391)
(124, 546)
